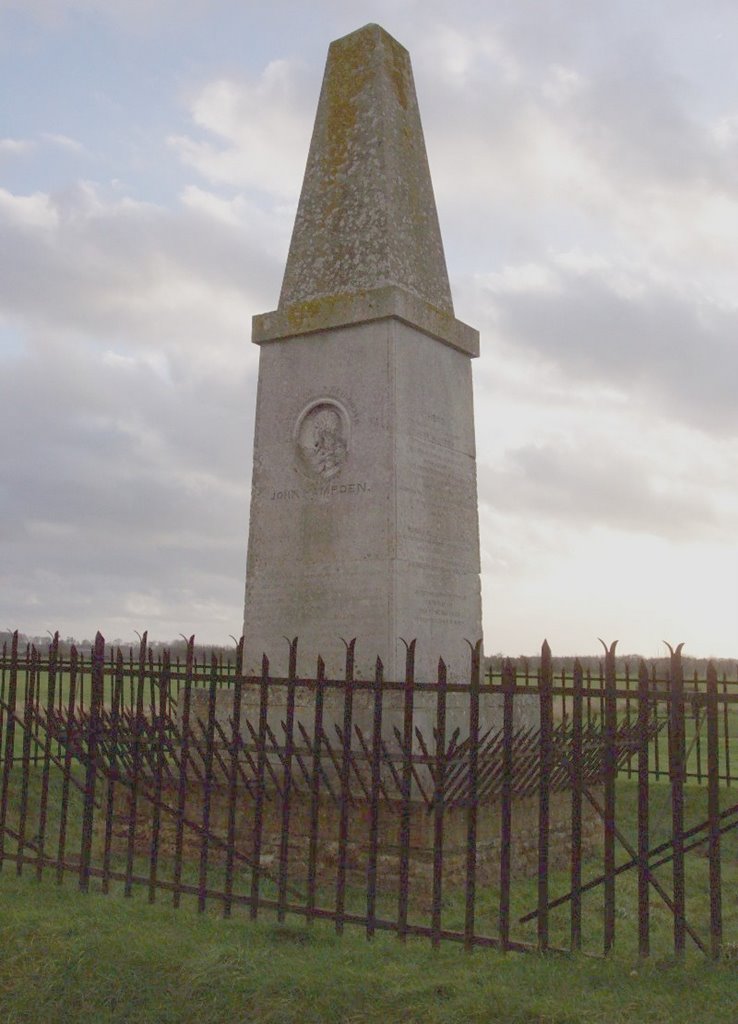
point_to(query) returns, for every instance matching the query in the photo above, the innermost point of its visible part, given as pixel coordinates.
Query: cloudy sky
(584, 155)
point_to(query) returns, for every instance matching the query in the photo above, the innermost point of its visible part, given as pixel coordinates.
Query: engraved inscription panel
(437, 506)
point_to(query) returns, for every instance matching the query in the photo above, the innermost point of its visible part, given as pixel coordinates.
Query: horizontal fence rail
(526, 808)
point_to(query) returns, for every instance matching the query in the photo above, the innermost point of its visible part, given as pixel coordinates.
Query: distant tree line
(176, 647)
(727, 667)
(692, 667)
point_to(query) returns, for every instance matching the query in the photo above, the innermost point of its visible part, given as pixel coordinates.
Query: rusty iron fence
(520, 810)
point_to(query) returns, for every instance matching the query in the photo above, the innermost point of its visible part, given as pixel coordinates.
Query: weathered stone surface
(364, 509)
(383, 544)
(367, 216)
(523, 842)
(362, 307)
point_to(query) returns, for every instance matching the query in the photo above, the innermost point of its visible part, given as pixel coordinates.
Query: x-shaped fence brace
(698, 834)
(70, 732)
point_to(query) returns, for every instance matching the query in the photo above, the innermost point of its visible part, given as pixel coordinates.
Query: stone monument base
(524, 840)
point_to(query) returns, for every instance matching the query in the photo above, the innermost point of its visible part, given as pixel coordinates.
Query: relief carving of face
(321, 441)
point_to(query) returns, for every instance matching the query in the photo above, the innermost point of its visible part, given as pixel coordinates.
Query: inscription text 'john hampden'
(319, 491)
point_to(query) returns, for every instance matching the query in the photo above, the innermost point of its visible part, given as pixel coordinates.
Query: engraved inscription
(319, 491)
(437, 522)
(434, 428)
(439, 609)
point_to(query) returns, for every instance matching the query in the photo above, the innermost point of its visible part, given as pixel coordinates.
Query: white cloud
(63, 142)
(16, 147)
(528, 277)
(260, 130)
(561, 84)
(460, 56)
(127, 270)
(140, 373)
(35, 212)
(725, 130)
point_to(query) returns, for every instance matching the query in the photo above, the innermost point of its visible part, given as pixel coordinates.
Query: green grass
(67, 957)
(524, 891)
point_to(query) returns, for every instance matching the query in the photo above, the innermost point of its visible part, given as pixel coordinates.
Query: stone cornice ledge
(333, 311)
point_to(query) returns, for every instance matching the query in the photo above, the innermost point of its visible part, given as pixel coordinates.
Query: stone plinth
(524, 840)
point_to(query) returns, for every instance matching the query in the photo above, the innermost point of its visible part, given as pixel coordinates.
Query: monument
(364, 501)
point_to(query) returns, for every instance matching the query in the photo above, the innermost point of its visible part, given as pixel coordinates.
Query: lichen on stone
(367, 216)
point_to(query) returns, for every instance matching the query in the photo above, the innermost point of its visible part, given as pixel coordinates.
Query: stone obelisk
(364, 499)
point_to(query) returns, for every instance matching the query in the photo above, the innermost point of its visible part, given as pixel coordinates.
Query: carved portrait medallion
(322, 439)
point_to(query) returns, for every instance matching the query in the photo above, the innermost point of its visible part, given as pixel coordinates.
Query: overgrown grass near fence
(69, 959)
(524, 893)
(158, 798)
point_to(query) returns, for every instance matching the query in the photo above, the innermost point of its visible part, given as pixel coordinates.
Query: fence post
(407, 767)
(472, 791)
(32, 681)
(439, 799)
(609, 765)
(348, 698)
(376, 766)
(138, 728)
(93, 726)
(184, 757)
(644, 720)
(66, 781)
(43, 808)
(315, 788)
(117, 695)
(508, 697)
(3, 670)
(289, 730)
(545, 762)
(676, 778)
(233, 787)
(9, 741)
(160, 734)
(577, 779)
(261, 761)
(713, 810)
(202, 885)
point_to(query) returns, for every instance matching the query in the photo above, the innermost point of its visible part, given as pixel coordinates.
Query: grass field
(67, 958)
